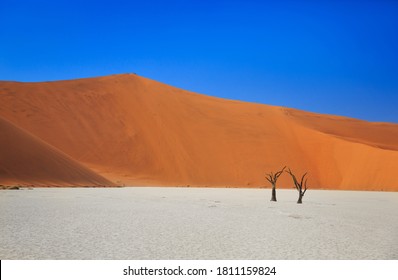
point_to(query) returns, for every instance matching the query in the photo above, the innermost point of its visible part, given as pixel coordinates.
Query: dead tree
(299, 185)
(272, 178)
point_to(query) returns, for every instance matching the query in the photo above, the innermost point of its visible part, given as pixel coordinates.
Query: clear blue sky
(338, 57)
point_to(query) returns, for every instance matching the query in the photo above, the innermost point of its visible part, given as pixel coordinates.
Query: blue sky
(335, 57)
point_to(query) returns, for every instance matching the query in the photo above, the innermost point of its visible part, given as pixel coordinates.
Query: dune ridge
(136, 131)
(26, 160)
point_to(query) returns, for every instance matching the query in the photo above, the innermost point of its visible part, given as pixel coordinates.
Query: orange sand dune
(26, 160)
(136, 131)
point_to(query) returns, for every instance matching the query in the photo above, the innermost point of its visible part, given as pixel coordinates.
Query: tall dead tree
(299, 185)
(272, 178)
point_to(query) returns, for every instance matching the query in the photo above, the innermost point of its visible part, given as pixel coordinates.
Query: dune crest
(26, 160)
(136, 131)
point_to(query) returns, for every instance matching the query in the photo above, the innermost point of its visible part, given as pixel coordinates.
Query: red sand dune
(135, 131)
(27, 160)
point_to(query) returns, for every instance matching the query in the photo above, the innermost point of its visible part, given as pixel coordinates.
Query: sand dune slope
(133, 130)
(26, 160)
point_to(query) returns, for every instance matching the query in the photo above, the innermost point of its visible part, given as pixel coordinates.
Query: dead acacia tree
(272, 178)
(299, 185)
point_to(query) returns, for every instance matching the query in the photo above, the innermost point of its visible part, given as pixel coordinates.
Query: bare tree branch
(269, 179)
(296, 184)
(299, 186)
(302, 178)
(277, 174)
(305, 186)
(273, 178)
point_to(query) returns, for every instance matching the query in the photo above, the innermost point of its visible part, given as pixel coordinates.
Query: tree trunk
(300, 199)
(273, 198)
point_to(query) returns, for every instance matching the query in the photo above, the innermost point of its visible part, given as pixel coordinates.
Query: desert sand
(196, 223)
(132, 130)
(27, 160)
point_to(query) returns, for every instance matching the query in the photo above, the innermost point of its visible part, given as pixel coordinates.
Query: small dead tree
(272, 178)
(299, 185)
